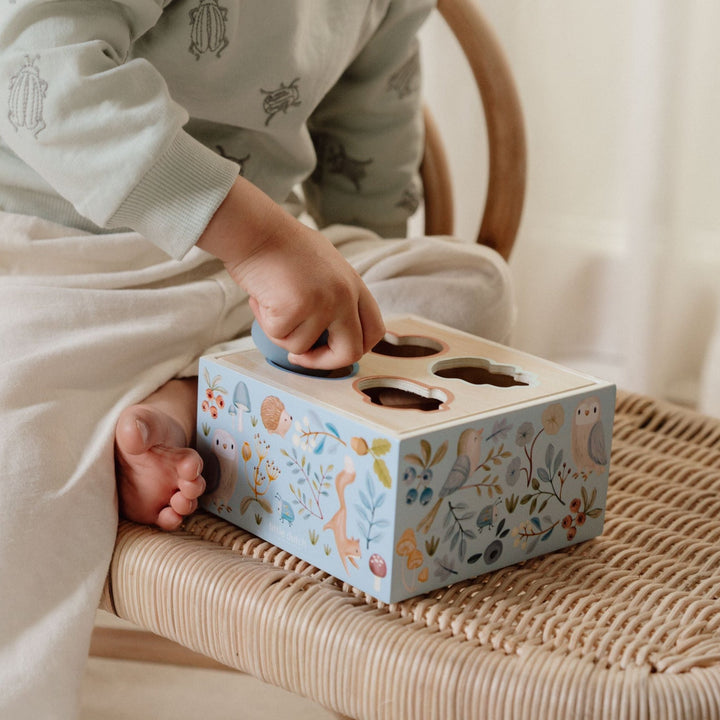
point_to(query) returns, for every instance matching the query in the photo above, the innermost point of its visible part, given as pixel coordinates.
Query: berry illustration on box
(437, 457)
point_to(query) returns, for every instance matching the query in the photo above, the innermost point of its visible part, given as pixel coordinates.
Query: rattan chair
(626, 626)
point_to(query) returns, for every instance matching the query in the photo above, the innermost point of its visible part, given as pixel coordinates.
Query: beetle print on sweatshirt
(334, 159)
(406, 80)
(241, 161)
(207, 28)
(27, 96)
(280, 99)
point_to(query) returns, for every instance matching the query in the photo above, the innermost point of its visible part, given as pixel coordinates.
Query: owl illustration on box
(588, 437)
(225, 450)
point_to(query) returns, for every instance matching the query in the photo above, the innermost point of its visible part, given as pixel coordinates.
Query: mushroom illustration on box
(438, 457)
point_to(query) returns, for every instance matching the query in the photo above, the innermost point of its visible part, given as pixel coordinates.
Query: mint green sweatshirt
(141, 113)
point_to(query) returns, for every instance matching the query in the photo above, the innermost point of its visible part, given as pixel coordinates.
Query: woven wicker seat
(623, 626)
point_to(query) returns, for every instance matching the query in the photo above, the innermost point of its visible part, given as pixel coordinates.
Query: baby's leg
(83, 336)
(158, 474)
(459, 284)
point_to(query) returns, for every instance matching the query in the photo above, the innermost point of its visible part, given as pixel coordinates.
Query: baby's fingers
(344, 347)
(347, 340)
(373, 327)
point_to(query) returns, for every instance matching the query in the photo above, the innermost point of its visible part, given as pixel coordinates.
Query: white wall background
(617, 263)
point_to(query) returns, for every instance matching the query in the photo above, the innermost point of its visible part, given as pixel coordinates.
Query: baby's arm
(368, 131)
(299, 284)
(110, 140)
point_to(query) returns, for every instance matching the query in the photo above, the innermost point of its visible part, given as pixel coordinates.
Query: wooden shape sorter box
(438, 457)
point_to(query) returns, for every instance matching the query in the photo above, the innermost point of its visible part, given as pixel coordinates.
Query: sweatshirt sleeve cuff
(173, 203)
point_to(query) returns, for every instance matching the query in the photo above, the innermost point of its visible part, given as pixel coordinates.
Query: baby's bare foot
(158, 475)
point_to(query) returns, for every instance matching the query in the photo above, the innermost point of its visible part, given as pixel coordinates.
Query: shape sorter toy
(438, 457)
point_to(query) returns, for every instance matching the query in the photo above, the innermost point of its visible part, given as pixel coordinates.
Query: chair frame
(505, 133)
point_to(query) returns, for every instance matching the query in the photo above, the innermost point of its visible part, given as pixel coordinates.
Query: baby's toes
(192, 488)
(168, 519)
(183, 505)
(188, 465)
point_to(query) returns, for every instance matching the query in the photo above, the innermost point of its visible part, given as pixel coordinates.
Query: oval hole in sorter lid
(402, 394)
(407, 346)
(481, 371)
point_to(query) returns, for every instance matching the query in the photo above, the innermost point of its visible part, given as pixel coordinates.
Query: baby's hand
(299, 284)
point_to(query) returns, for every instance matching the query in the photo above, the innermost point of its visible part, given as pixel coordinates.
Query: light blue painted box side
(521, 494)
(312, 482)
(397, 511)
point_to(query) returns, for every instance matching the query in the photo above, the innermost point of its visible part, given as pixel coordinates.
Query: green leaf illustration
(439, 453)
(381, 470)
(426, 450)
(380, 446)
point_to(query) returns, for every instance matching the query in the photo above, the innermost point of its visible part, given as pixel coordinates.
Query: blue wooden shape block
(279, 356)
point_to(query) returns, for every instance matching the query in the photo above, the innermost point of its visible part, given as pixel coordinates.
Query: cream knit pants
(91, 324)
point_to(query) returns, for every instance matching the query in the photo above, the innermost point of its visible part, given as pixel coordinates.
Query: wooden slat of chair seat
(144, 646)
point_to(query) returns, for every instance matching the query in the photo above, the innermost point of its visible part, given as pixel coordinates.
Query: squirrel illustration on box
(348, 548)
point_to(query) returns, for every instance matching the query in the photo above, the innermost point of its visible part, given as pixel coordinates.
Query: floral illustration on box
(371, 524)
(214, 399)
(312, 485)
(445, 566)
(547, 482)
(468, 462)
(259, 471)
(419, 474)
(529, 532)
(541, 466)
(312, 490)
(511, 484)
(313, 437)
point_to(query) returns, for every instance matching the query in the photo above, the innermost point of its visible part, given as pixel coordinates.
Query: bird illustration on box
(467, 461)
(287, 514)
(588, 436)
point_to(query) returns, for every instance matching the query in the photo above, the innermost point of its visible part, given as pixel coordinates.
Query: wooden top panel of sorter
(464, 399)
